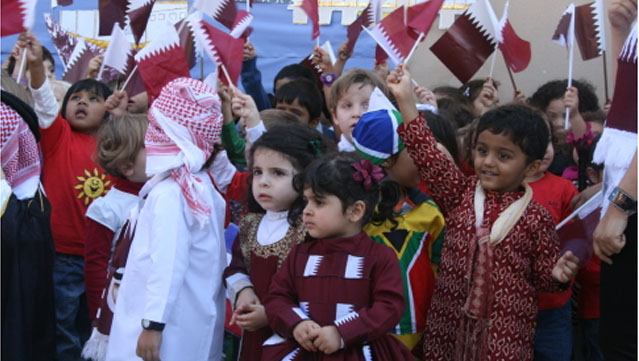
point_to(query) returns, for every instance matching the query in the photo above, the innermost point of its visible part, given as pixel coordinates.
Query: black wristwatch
(152, 325)
(623, 201)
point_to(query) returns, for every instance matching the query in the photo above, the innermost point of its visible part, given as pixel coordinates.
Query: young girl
(268, 232)
(340, 294)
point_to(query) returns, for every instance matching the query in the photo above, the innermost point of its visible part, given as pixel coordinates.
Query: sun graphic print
(92, 186)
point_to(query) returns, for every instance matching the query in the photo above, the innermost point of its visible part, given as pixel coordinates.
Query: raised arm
(45, 103)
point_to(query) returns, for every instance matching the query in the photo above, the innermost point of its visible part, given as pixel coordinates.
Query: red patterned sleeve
(546, 250)
(443, 178)
(386, 307)
(97, 250)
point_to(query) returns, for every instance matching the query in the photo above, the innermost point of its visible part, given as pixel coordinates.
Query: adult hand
(149, 345)
(609, 237)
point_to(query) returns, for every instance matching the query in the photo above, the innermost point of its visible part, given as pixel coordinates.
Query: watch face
(146, 323)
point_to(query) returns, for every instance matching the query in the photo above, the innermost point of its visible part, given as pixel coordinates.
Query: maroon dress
(520, 266)
(259, 263)
(352, 283)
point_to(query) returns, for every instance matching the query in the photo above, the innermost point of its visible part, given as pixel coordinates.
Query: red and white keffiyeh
(185, 122)
(19, 153)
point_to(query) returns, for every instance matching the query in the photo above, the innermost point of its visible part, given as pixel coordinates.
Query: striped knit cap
(375, 135)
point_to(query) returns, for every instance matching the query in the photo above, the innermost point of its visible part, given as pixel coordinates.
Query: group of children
(367, 228)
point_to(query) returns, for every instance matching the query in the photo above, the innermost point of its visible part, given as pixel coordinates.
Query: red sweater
(71, 179)
(554, 193)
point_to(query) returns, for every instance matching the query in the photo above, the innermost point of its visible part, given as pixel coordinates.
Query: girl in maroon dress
(335, 298)
(268, 232)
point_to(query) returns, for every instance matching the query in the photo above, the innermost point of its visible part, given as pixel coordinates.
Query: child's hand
(249, 51)
(342, 54)
(571, 100)
(250, 317)
(327, 339)
(323, 60)
(94, 66)
(225, 96)
(487, 98)
(149, 345)
(244, 107)
(519, 97)
(382, 69)
(304, 335)
(566, 267)
(27, 40)
(116, 103)
(246, 297)
(400, 85)
(622, 14)
(425, 96)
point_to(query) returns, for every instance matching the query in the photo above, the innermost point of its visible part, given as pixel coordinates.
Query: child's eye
(257, 171)
(75, 97)
(94, 99)
(346, 105)
(482, 151)
(278, 173)
(503, 156)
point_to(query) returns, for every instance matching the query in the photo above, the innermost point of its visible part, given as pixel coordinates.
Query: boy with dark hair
(302, 98)
(500, 248)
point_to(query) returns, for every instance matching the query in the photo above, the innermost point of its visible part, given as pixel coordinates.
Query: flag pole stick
(605, 71)
(412, 50)
(512, 79)
(381, 45)
(129, 77)
(226, 74)
(492, 63)
(22, 64)
(571, 58)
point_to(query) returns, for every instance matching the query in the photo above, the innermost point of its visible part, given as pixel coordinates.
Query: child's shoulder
(537, 216)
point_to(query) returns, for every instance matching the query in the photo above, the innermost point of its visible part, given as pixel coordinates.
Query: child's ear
(127, 169)
(532, 168)
(355, 212)
(313, 122)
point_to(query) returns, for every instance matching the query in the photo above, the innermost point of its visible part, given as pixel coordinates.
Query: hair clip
(467, 92)
(315, 146)
(367, 173)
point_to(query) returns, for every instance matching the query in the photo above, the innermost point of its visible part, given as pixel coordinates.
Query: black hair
(295, 71)
(46, 55)
(555, 89)
(455, 111)
(444, 133)
(585, 151)
(524, 126)
(306, 93)
(89, 84)
(472, 89)
(333, 175)
(298, 143)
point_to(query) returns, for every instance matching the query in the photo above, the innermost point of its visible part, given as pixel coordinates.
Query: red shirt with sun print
(71, 180)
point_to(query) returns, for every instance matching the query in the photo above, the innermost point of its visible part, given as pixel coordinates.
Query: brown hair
(119, 141)
(355, 76)
(272, 117)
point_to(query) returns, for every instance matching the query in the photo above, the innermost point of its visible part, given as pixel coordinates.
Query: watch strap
(623, 201)
(152, 325)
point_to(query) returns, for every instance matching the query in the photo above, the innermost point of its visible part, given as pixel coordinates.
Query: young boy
(349, 100)
(170, 303)
(500, 248)
(419, 233)
(302, 98)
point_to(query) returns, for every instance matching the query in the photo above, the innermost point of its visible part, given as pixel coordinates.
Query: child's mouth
(80, 113)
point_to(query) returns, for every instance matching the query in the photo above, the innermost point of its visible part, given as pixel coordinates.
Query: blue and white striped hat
(375, 135)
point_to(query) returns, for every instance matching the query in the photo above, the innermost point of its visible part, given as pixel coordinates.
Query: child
(120, 151)
(417, 235)
(349, 100)
(500, 248)
(170, 304)
(266, 238)
(553, 335)
(337, 297)
(72, 180)
(302, 98)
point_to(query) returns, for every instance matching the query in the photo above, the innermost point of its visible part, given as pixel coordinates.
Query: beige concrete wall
(534, 21)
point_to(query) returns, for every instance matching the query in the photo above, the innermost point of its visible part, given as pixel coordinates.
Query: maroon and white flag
(63, 42)
(241, 25)
(392, 35)
(116, 55)
(371, 15)
(111, 12)
(139, 12)
(311, 8)
(576, 231)
(78, 65)
(224, 50)
(516, 51)
(224, 11)
(187, 37)
(469, 41)
(589, 29)
(16, 16)
(161, 61)
(564, 33)
(421, 16)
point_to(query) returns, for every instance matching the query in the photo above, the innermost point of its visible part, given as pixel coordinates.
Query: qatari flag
(111, 12)
(562, 34)
(63, 42)
(16, 15)
(139, 12)
(187, 38)
(223, 49)
(224, 11)
(469, 41)
(76, 68)
(371, 15)
(311, 8)
(576, 231)
(241, 25)
(394, 36)
(116, 56)
(516, 50)
(161, 61)
(589, 29)
(421, 16)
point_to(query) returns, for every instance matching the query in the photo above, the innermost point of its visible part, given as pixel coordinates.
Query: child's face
(85, 111)
(556, 113)
(324, 217)
(403, 170)
(138, 104)
(500, 164)
(297, 109)
(273, 180)
(350, 107)
(137, 172)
